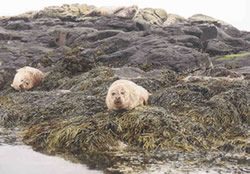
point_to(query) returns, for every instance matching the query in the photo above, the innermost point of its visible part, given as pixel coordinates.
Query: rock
(189, 41)
(235, 62)
(218, 34)
(246, 37)
(208, 32)
(225, 43)
(193, 31)
(216, 47)
(4, 35)
(162, 55)
(227, 28)
(161, 13)
(151, 16)
(200, 18)
(173, 19)
(244, 70)
(6, 76)
(18, 25)
(65, 12)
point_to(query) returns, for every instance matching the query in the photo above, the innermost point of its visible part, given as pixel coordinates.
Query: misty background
(236, 13)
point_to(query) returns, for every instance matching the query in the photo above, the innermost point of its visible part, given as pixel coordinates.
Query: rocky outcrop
(104, 40)
(197, 70)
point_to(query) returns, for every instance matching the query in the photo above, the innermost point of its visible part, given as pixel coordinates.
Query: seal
(124, 12)
(27, 78)
(125, 94)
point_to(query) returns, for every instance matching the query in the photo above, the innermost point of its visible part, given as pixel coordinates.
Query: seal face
(125, 94)
(27, 78)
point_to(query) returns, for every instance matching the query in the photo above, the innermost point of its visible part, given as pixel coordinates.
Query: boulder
(65, 12)
(227, 28)
(173, 19)
(151, 16)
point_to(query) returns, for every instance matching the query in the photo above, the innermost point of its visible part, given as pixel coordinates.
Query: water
(21, 159)
(17, 158)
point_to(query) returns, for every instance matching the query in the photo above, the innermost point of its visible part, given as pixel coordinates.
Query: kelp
(68, 117)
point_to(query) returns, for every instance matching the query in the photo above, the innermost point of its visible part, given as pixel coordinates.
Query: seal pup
(125, 94)
(27, 78)
(124, 12)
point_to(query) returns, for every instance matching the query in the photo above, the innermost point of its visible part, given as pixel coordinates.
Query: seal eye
(27, 83)
(113, 94)
(122, 93)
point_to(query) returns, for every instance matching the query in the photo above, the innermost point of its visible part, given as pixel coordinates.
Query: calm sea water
(21, 159)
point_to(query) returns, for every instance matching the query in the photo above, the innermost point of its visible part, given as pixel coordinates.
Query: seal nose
(21, 86)
(118, 100)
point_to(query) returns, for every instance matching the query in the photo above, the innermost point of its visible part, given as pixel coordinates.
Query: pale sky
(235, 12)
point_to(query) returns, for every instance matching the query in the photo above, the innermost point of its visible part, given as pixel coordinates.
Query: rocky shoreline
(197, 70)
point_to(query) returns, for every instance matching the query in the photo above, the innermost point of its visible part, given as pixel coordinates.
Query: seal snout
(21, 86)
(118, 100)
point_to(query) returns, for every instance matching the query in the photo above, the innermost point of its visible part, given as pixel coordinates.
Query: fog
(233, 12)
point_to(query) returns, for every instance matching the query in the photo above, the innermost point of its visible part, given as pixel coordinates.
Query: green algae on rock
(232, 56)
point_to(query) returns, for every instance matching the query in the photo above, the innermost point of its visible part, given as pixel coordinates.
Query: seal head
(27, 78)
(125, 94)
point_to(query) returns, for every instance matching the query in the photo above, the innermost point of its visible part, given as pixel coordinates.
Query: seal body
(125, 94)
(27, 78)
(124, 12)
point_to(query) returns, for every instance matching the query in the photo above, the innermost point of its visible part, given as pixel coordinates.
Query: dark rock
(215, 47)
(193, 31)
(4, 35)
(208, 32)
(231, 31)
(18, 25)
(236, 62)
(6, 76)
(218, 31)
(114, 23)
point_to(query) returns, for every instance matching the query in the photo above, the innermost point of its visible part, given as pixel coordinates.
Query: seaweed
(67, 116)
